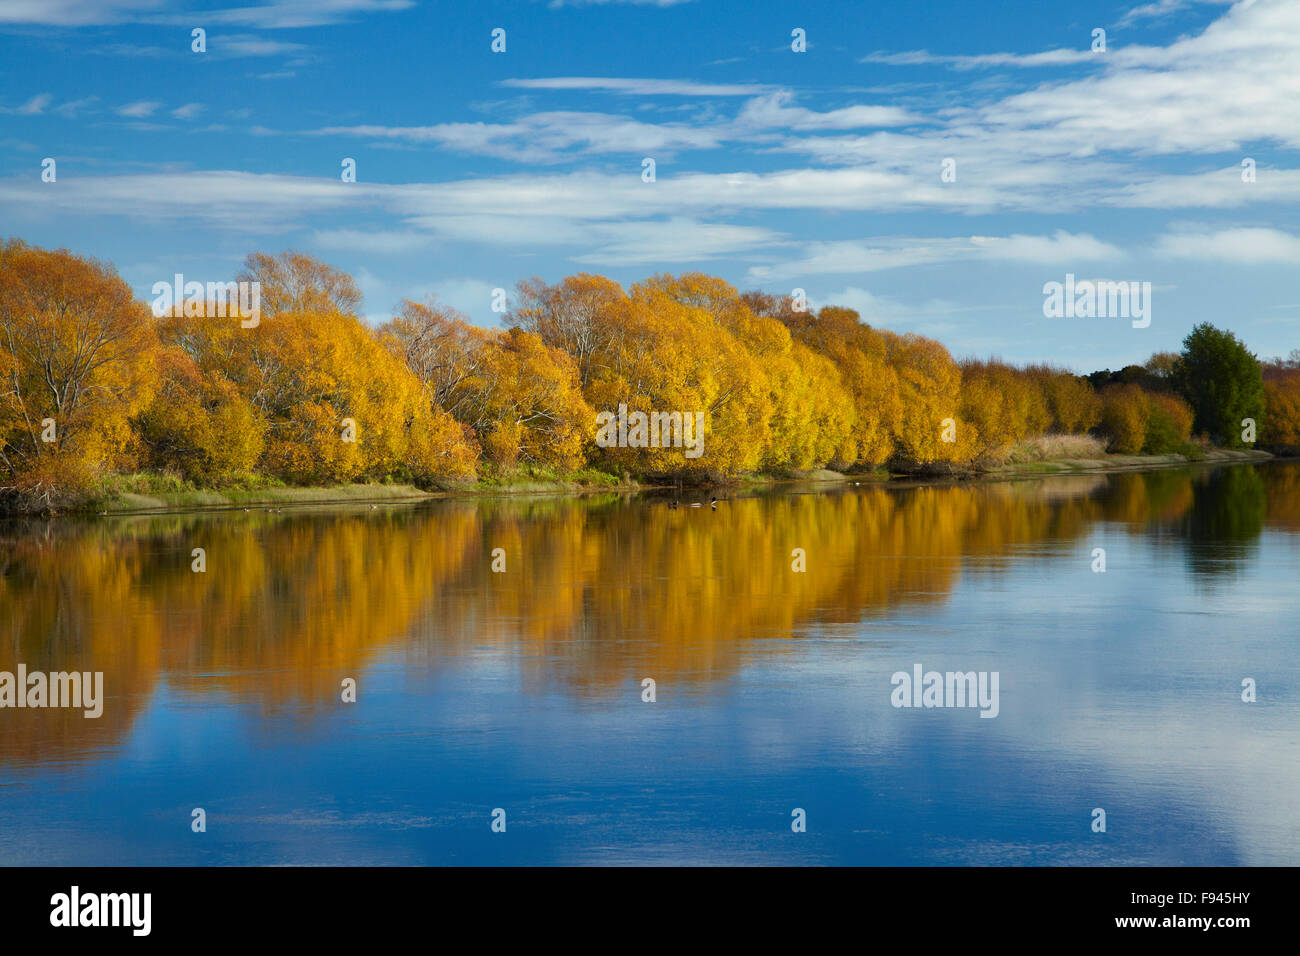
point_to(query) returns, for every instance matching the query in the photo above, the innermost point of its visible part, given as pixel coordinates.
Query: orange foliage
(314, 395)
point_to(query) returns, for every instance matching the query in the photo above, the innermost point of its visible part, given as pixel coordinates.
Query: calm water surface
(523, 690)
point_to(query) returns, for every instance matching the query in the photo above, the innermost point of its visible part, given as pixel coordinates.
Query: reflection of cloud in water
(1104, 677)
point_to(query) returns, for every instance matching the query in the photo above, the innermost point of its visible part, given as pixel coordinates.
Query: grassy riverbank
(145, 493)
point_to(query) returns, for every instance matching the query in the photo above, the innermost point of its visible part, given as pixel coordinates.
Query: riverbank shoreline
(275, 499)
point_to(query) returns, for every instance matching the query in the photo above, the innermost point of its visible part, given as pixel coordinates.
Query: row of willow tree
(95, 385)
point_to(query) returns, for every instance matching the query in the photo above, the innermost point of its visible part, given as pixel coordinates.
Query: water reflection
(522, 689)
(598, 589)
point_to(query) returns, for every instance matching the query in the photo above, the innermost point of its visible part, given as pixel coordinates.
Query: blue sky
(774, 169)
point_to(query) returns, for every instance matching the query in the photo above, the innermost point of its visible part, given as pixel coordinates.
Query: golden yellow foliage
(1281, 425)
(1124, 415)
(76, 363)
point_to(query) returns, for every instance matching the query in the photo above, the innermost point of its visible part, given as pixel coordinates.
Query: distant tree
(296, 282)
(1161, 365)
(1222, 382)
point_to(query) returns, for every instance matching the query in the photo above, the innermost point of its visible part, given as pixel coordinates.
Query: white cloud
(845, 257)
(139, 109)
(1061, 246)
(774, 111)
(1240, 245)
(1162, 8)
(267, 14)
(73, 107)
(245, 202)
(1045, 58)
(243, 44)
(33, 107)
(547, 137)
(637, 87)
(379, 242)
(74, 13)
(673, 241)
(188, 111)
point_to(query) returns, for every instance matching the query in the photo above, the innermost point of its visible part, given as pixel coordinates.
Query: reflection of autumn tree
(1282, 492)
(598, 591)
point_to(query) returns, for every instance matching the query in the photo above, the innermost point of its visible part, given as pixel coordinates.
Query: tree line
(94, 385)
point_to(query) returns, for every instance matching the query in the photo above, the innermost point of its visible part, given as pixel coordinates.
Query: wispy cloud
(858, 256)
(75, 13)
(34, 106)
(139, 109)
(1239, 245)
(1163, 8)
(268, 14)
(637, 87)
(775, 110)
(1061, 57)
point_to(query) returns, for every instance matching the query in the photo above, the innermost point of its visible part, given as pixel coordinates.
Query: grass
(528, 478)
(166, 491)
(144, 492)
(1049, 448)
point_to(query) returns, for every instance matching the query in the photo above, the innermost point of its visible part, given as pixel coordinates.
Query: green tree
(1221, 380)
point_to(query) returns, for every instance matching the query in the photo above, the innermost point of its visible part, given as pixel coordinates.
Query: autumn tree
(575, 315)
(441, 348)
(1074, 405)
(198, 423)
(1124, 415)
(76, 362)
(861, 354)
(1169, 424)
(1281, 425)
(525, 402)
(296, 282)
(336, 403)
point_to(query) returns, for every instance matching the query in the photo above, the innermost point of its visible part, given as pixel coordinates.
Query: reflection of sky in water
(1119, 691)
